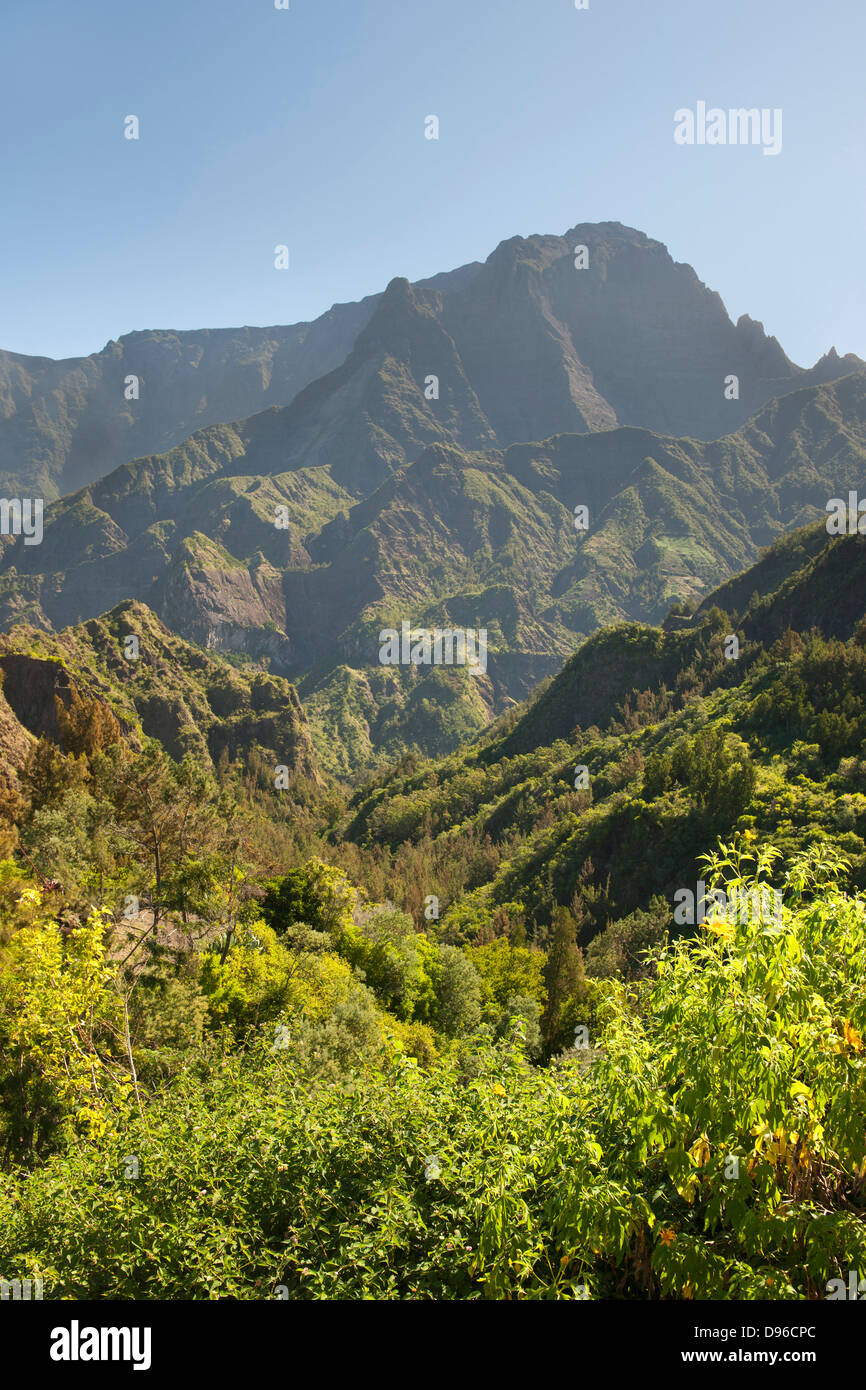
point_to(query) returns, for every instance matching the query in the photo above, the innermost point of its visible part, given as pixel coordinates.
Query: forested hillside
(481, 1031)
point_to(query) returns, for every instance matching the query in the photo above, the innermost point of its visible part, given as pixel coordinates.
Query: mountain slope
(680, 744)
(188, 701)
(482, 540)
(64, 424)
(634, 338)
(371, 415)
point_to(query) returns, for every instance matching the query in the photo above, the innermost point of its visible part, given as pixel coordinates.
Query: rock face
(15, 743)
(525, 346)
(66, 423)
(30, 684)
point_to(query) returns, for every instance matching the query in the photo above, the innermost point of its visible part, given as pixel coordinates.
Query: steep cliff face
(30, 685)
(15, 743)
(34, 692)
(629, 338)
(64, 424)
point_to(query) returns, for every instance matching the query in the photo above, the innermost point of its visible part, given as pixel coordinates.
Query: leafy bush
(711, 1146)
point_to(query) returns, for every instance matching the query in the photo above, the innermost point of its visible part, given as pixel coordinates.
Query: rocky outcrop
(171, 691)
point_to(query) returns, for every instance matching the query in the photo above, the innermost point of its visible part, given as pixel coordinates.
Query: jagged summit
(632, 338)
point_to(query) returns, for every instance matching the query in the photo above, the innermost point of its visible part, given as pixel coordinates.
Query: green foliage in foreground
(711, 1143)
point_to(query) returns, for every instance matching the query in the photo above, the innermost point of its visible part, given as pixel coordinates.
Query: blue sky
(306, 127)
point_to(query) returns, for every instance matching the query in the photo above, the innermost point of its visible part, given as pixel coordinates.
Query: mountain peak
(398, 310)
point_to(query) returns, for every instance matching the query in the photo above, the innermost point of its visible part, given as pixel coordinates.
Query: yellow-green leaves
(700, 1151)
(64, 1024)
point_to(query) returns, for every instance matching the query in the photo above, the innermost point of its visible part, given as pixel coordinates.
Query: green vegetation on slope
(389, 511)
(709, 1145)
(680, 745)
(454, 1040)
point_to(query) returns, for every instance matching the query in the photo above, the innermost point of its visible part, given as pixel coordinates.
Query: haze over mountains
(557, 386)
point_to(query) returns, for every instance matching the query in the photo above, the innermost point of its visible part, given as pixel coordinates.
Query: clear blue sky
(306, 127)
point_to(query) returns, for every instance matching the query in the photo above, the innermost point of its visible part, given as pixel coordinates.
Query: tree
(61, 1030)
(48, 773)
(457, 985)
(85, 724)
(175, 823)
(564, 973)
(394, 959)
(316, 894)
(507, 970)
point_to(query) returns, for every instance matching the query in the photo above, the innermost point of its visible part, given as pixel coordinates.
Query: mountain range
(419, 456)
(525, 345)
(679, 738)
